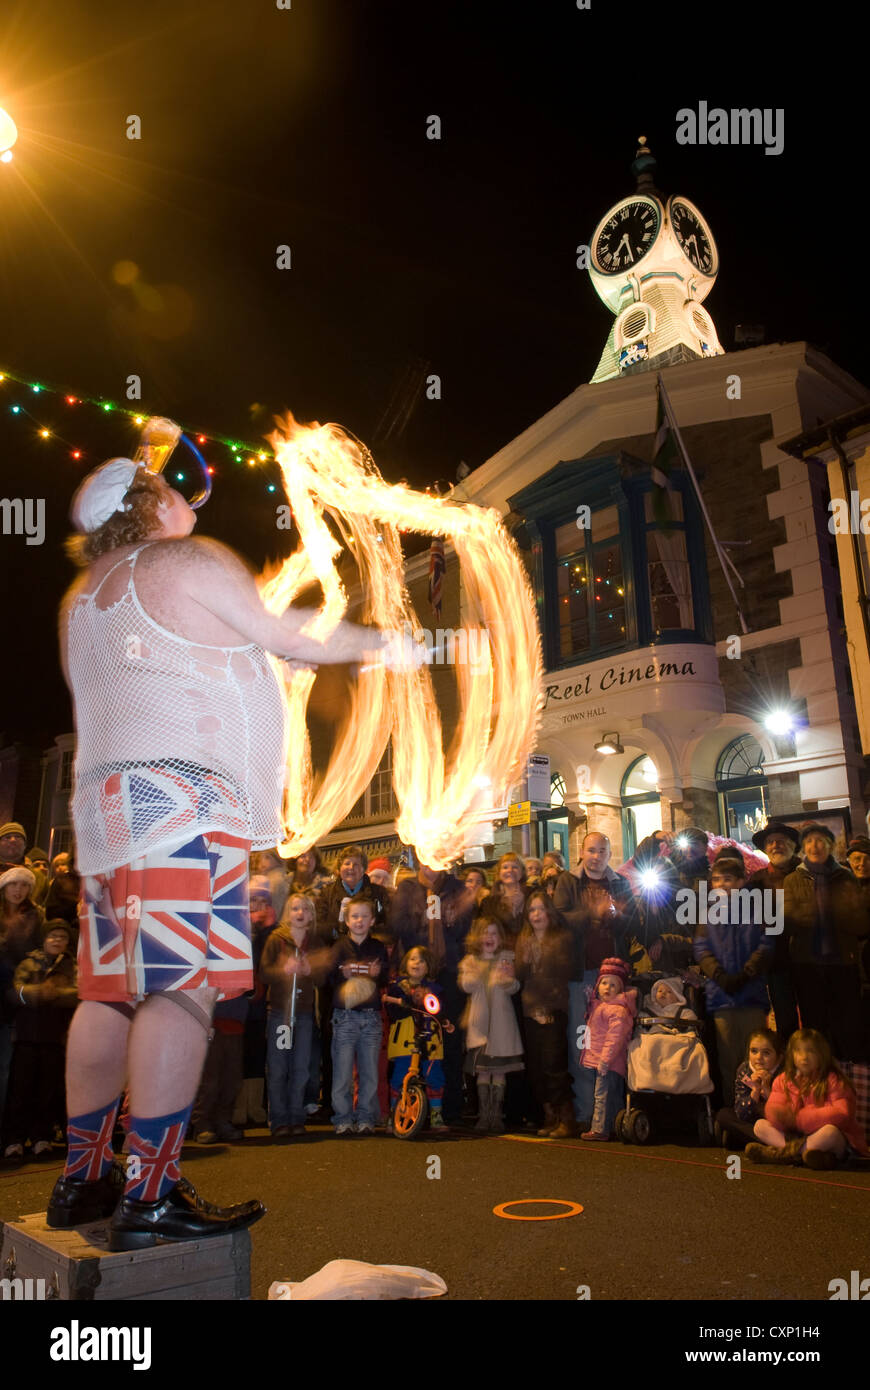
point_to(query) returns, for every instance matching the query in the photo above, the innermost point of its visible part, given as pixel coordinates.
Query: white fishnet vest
(172, 718)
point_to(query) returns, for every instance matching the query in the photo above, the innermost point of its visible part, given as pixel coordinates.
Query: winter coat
(569, 900)
(790, 1111)
(45, 1020)
(769, 878)
(18, 936)
(544, 969)
(278, 950)
(741, 948)
(747, 1110)
(347, 951)
(848, 915)
(609, 1022)
(490, 1020)
(403, 1023)
(328, 907)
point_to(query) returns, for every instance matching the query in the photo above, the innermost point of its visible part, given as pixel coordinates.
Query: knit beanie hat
(816, 829)
(732, 864)
(56, 924)
(19, 874)
(13, 828)
(613, 966)
(260, 887)
(380, 864)
(37, 854)
(859, 844)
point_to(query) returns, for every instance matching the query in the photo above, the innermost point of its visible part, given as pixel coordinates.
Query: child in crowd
(544, 962)
(752, 1087)
(359, 962)
(734, 954)
(810, 1114)
(249, 1104)
(667, 1000)
(45, 982)
(293, 961)
(493, 1039)
(603, 1059)
(415, 981)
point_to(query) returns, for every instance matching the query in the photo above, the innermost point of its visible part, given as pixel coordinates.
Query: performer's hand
(399, 652)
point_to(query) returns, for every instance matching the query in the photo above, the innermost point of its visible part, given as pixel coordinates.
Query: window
(641, 803)
(558, 789)
(379, 798)
(61, 839)
(670, 579)
(64, 783)
(590, 588)
(742, 788)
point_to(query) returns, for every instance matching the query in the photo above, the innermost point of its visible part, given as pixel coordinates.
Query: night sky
(307, 127)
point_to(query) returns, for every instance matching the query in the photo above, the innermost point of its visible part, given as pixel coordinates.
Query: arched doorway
(742, 788)
(641, 803)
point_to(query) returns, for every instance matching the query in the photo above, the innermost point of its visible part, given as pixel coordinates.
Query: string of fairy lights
(20, 397)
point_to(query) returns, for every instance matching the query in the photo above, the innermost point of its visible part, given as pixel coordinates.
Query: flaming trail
(326, 472)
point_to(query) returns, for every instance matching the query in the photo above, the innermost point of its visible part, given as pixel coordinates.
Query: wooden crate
(77, 1264)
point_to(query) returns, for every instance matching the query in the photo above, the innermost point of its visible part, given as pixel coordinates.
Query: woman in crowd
(543, 966)
(507, 901)
(826, 922)
(20, 933)
(307, 873)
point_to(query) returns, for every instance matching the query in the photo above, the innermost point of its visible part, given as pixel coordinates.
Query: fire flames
(326, 472)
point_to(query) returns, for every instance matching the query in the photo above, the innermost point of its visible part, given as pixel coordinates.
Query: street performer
(180, 755)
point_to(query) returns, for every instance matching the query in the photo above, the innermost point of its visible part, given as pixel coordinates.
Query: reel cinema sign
(640, 682)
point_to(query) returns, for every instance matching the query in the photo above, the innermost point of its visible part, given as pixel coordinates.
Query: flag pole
(724, 560)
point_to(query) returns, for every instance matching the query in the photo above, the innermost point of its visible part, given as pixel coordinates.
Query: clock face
(694, 239)
(626, 236)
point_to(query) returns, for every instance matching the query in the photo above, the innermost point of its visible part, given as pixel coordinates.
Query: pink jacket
(790, 1111)
(610, 1023)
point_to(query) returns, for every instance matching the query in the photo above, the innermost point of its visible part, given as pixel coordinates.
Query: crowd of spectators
(538, 971)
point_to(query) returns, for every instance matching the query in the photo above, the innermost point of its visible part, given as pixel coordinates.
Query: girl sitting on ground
(810, 1115)
(752, 1087)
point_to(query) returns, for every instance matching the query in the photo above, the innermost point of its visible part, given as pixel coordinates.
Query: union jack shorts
(174, 919)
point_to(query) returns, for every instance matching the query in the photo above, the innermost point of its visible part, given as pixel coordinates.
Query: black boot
(179, 1215)
(76, 1203)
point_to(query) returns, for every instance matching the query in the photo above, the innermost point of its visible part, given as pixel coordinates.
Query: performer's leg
(167, 1050)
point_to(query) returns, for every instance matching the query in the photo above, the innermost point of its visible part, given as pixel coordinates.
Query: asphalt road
(659, 1222)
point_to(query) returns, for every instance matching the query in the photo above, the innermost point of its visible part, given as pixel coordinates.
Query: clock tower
(653, 261)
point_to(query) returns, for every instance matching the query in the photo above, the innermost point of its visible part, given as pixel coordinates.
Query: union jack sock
(89, 1155)
(153, 1150)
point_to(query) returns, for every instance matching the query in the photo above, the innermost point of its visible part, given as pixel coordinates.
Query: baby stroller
(668, 1069)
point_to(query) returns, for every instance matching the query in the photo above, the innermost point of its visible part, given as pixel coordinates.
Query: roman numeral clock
(653, 261)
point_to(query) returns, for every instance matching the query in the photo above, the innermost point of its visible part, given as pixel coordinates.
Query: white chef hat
(102, 494)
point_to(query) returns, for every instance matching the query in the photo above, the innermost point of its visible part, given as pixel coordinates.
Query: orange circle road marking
(537, 1201)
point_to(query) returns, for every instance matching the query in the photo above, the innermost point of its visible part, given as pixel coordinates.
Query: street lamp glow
(8, 135)
(779, 721)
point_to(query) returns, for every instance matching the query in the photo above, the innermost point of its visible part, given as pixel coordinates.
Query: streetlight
(8, 136)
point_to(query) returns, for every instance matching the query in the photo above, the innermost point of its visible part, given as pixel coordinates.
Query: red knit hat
(613, 966)
(380, 864)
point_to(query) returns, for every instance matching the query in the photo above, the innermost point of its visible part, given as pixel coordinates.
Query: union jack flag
(90, 1150)
(176, 919)
(158, 1163)
(437, 569)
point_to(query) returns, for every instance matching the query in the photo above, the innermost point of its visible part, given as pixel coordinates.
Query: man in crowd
(12, 842)
(780, 844)
(597, 905)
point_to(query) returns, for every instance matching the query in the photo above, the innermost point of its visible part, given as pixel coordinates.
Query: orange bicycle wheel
(410, 1113)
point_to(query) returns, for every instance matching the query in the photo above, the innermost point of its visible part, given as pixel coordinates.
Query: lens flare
(325, 472)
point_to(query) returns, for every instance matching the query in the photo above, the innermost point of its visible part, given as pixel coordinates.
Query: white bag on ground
(353, 1279)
